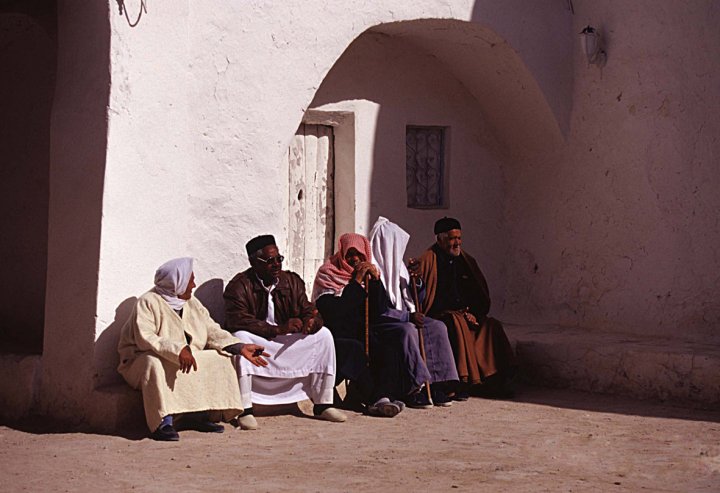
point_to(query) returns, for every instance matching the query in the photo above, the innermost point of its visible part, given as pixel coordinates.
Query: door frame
(343, 124)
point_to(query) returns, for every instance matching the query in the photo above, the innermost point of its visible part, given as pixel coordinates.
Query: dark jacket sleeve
(306, 310)
(238, 312)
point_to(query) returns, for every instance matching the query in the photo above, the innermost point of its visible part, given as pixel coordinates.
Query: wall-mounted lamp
(592, 46)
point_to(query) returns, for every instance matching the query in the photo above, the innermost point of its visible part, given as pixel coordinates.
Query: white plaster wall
(148, 180)
(205, 98)
(150, 141)
(622, 221)
(388, 83)
(257, 66)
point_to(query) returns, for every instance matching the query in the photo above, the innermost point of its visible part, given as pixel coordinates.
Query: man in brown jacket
(456, 293)
(265, 303)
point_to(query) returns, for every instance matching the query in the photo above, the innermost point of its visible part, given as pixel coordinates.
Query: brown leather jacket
(246, 304)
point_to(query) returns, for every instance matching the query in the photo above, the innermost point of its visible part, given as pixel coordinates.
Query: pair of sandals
(386, 408)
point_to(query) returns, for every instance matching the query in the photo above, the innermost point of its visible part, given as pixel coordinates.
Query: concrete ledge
(646, 368)
(18, 387)
(116, 407)
(671, 370)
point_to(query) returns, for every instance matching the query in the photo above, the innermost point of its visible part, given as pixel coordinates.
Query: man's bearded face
(451, 242)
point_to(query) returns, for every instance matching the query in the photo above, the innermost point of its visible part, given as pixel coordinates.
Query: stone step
(677, 371)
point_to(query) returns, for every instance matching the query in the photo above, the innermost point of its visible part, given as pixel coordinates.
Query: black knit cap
(446, 224)
(258, 243)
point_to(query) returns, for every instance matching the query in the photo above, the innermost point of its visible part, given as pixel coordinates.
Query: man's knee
(324, 334)
(324, 337)
(150, 369)
(433, 326)
(408, 332)
(153, 363)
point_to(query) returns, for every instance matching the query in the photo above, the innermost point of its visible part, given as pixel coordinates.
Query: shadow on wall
(468, 80)
(78, 153)
(418, 89)
(28, 58)
(106, 346)
(106, 355)
(210, 294)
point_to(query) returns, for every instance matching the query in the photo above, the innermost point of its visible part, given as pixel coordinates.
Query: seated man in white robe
(179, 358)
(267, 306)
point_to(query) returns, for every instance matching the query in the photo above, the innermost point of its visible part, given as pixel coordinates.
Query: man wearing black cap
(265, 303)
(456, 292)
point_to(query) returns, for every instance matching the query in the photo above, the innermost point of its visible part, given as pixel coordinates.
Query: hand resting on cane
(363, 269)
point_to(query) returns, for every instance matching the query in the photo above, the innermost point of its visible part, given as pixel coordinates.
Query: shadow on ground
(554, 398)
(614, 404)
(39, 425)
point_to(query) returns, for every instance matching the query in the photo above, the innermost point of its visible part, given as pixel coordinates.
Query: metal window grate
(425, 166)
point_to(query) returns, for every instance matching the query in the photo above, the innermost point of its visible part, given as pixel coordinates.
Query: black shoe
(165, 433)
(500, 395)
(352, 402)
(418, 400)
(197, 421)
(494, 391)
(206, 427)
(461, 396)
(440, 398)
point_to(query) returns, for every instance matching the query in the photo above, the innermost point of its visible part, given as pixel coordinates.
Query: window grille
(425, 167)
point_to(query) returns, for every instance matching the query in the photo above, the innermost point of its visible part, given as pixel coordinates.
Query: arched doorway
(461, 81)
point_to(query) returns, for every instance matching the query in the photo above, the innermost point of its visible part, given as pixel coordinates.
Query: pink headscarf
(335, 273)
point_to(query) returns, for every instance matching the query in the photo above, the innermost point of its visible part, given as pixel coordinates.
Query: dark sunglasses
(279, 259)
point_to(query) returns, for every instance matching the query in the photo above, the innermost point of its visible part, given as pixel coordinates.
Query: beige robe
(149, 347)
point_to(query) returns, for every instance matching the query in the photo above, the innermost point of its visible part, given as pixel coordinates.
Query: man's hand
(312, 325)
(187, 360)
(364, 268)
(292, 326)
(470, 317)
(254, 354)
(417, 319)
(413, 267)
(309, 326)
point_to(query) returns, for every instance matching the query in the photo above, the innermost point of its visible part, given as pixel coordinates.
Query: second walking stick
(416, 300)
(367, 319)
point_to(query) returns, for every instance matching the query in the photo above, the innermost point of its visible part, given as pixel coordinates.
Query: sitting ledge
(677, 371)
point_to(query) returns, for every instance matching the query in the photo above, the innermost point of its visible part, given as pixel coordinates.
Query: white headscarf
(172, 278)
(388, 242)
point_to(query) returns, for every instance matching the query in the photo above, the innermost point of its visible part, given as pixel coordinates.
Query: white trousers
(299, 367)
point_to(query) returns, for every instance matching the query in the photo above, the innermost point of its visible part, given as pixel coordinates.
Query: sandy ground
(544, 440)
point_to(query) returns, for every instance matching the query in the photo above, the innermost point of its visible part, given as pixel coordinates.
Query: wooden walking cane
(416, 300)
(367, 319)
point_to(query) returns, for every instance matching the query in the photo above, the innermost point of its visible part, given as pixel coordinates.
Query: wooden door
(311, 227)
